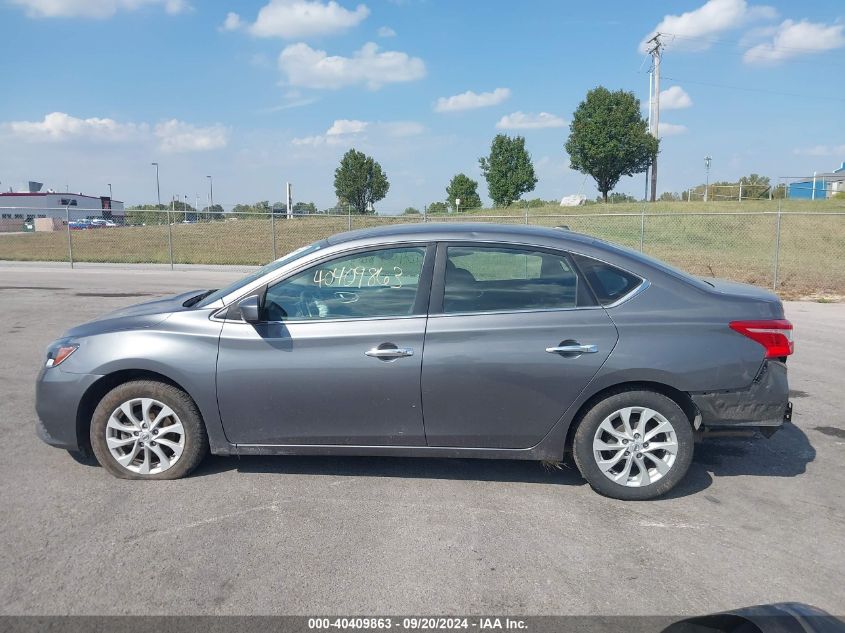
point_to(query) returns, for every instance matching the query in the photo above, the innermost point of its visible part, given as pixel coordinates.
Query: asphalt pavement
(754, 522)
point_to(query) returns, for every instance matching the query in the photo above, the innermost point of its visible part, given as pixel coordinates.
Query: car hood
(141, 315)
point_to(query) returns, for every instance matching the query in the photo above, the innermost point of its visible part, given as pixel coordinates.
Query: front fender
(182, 349)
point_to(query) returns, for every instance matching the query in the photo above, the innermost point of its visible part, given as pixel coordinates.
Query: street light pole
(707, 161)
(158, 185)
(210, 194)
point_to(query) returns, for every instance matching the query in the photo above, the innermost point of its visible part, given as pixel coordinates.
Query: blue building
(820, 187)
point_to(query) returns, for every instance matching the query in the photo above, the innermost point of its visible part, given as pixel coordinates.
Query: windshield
(275, 265)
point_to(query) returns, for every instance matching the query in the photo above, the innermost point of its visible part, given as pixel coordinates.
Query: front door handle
(575, 348)
(389, 352)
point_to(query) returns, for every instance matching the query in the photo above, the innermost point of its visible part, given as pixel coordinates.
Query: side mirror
(250, 309)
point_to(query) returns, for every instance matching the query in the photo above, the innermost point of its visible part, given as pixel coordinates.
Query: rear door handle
(573, 349)
(389, 352)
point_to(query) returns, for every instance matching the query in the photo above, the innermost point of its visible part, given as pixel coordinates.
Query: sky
(260, 93)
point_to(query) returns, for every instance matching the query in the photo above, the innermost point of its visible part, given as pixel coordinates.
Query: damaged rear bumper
(763, 404)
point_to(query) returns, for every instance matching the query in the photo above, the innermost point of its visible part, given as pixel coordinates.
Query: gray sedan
(441, 340)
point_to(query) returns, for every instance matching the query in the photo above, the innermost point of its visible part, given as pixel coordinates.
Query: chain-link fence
(796, 253)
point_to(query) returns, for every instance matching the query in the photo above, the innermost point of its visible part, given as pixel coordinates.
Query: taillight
(775, 335)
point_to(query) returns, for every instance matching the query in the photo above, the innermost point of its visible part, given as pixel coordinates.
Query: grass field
(702, 238)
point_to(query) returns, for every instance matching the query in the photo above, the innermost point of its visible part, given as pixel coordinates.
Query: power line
(718, 40)
(752, 56)
(753, 89)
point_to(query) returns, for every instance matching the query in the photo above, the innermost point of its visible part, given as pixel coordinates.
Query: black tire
(196, 438)
(584, 455)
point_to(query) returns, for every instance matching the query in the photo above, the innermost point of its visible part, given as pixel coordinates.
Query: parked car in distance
(443, 340)
(102, 223)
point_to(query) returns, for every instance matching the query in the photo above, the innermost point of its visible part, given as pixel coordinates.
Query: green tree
(360, 181)
(215, 212)
(616, 198)
(437, 207)
(147, 214)
(464, 188)
(304, 208)
(411, 211)
(609, 138)
(508, 170)
(669, 196)
(755, 186)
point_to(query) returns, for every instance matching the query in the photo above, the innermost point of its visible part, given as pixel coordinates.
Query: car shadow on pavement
(399, 467)
(785, 454)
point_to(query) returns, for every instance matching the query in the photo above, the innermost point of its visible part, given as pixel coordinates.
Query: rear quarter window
(609, 283)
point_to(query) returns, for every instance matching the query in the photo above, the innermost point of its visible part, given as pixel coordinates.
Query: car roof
(460, 230)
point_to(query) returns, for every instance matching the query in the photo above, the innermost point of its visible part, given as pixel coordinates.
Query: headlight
(58, 353)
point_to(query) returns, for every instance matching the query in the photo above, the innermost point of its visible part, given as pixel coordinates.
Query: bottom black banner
(784, 619)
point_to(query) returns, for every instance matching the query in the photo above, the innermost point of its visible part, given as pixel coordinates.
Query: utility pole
(158, 186)
(210, 197)
(655, 52)
(650, 109)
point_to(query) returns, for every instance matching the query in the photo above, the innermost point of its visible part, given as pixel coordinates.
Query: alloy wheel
(635, 446)
(145, 436)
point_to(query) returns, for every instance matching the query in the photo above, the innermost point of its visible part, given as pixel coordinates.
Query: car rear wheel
(634, 445)
(148, 430)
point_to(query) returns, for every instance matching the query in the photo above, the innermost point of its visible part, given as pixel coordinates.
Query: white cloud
(171, 136)
(232, 22)
(386, 31)
(674, 98)
(58, 127)
(311, 68)
(470, 100)
(671, 129)
(793, 39)
(822, 150)
(177, 136)
(712, 18)
(290, 19)
(529, 121)
(93, 8)
(343, 131)
(346, 126)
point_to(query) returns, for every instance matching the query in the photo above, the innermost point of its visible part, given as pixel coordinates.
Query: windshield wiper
(195, 300)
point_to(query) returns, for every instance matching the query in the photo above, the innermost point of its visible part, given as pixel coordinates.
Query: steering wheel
(309, 304)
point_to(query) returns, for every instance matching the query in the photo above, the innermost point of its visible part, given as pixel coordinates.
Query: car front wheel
(634, 445)
(148, 430)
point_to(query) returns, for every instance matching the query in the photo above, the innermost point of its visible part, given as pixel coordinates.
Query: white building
(27, 206)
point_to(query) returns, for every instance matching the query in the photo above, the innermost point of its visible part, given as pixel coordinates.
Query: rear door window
(491, 279)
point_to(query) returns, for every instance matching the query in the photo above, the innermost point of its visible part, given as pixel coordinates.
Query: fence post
(170, 237)
(273, 230)
(526, 212)
(642, 229)
(425, 213)
(69, 238)
(777, 251)
(349, 214)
